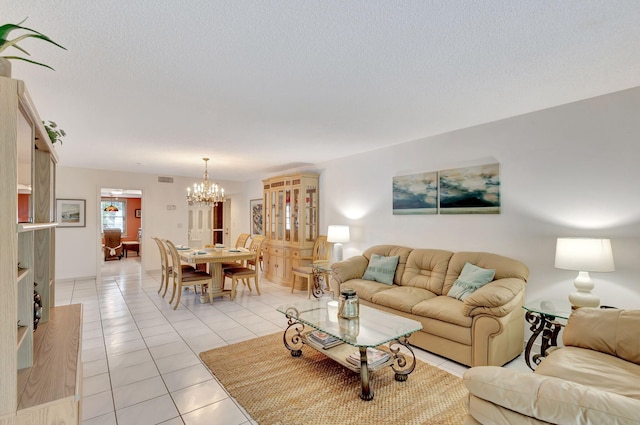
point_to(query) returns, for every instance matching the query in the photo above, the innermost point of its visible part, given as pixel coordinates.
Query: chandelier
(205, 193)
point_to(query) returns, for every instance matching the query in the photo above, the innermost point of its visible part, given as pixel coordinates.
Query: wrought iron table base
(549, 328)
(400, 366)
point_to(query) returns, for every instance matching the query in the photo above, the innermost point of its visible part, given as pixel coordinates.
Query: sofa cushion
(443, 308)
(471, 278)
(593, 369)
(402, 298)
(365, 289)
(381, 269)
(389, 251)
(505, 267)
(426, 268)
(610, 331)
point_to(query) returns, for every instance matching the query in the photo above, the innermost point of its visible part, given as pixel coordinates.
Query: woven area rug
(275, 388)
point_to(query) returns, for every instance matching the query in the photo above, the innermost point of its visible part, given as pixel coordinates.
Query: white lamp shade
(584, 254)
(338, 233)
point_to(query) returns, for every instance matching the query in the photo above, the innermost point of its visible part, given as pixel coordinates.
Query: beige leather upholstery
(592, 380)
(486, 329)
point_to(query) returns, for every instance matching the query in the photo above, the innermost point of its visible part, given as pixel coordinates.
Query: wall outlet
(171, 207)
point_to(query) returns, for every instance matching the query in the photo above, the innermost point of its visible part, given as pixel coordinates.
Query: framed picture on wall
(415, 194)
(256, 217)
(71, 212)
(138, 213)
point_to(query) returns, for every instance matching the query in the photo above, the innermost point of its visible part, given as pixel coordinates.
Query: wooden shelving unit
(41, 371)
(290, 225)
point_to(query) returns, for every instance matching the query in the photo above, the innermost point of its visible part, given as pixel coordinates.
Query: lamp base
(583, 296)
(337, 251)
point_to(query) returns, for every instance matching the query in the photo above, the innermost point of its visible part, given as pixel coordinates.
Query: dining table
(214, 257)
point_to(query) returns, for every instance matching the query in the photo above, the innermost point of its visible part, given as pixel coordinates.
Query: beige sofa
(593, 379)
(487, 328)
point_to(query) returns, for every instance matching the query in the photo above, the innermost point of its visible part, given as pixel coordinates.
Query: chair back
(175, 259)
(242, 240)
(112, 238)
(256, 247)
(164, 261)
(321, 249)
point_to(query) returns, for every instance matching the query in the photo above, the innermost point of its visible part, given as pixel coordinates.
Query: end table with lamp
(547, 318)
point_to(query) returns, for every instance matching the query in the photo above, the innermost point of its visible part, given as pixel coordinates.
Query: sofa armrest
(351, 268)
(549, 399)
(497, 298)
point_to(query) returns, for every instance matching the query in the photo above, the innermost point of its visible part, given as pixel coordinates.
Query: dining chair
(182, 278)
(246, 273)
(240, 243)
(253, 262)
(321, 252)
(165, 267)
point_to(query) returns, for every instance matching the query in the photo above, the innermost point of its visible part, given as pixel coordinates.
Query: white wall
(78, 252)
(565, 171)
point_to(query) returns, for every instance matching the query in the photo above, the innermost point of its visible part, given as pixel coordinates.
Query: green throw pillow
(381, 268)
(471, 278)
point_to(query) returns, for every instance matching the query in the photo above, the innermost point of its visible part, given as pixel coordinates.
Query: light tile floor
(140, 357)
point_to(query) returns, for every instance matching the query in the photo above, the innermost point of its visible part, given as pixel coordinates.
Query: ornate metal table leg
(402, 368)
(537, 325)
(549, 328)
(366, 393)
(292, 337)
(317, 288)
(549, 338)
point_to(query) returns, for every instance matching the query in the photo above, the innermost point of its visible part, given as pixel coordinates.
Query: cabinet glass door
(311, 207)
(287, 215)
(272, 216)
(294, 215)
(280, 215)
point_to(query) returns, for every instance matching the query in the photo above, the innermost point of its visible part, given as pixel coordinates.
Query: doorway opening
(207, 224)
(121, 229)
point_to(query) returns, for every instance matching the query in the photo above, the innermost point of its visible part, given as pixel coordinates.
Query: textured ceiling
(152, 86)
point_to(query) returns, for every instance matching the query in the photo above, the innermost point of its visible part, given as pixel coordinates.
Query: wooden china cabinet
(291, 223)
(40, 366)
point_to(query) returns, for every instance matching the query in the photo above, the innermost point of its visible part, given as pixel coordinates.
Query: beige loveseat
(593, 379)
(487, 328)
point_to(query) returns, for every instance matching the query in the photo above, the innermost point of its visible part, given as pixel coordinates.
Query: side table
(547, 317)
(131, 246)
(320, 269)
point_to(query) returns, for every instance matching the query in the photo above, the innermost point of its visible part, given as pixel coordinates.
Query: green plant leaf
(8, 43)
(28, 60)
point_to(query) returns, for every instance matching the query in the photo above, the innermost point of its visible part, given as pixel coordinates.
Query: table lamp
(338, 234)
(584, 255)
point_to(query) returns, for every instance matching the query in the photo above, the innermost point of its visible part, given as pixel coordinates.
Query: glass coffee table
(355, 338)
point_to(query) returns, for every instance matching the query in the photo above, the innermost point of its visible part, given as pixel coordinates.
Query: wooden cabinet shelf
(30, 227)
(55, 374)
(22, 273)
(22, 332)
(40, 372)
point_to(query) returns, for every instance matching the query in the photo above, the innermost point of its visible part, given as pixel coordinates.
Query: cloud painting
(470, 190)
(415, 194)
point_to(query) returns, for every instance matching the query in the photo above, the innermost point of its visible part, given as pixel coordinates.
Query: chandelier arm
(205, 193)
